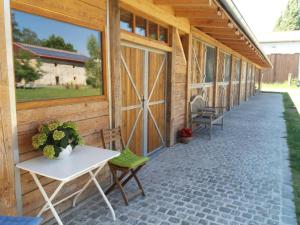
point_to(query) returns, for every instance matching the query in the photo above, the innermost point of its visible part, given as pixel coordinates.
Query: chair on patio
(127, 163)
(202, 114)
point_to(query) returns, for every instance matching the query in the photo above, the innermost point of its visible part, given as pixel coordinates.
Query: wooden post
(259, 80)
(171, 73)
(240, 81)
(246, 82)
(290, 79)
(115, 61)
(8, 128)
(216, 77)
(230, 84)
(187, 43)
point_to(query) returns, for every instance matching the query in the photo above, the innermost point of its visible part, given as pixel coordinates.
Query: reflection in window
(238, 70)
(163, 34)
(227, 62)
(210, 61)
(126, 19)
(140, 26)
(249, 72)
(62, 61)
(153, 28)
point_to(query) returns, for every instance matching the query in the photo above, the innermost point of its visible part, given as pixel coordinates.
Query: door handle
(143, 101)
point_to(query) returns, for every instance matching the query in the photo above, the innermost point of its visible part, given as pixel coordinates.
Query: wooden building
(157, 55)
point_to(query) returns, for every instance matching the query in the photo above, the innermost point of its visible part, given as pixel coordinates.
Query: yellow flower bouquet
(57, 139)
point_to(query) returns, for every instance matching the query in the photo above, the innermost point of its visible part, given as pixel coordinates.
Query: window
(238, 69)
(249, 72)
(210, 62)
(46, 59)
(163, 34)
(140, 26)
(143, 27)
(227, 62)
(126, 20)
(153, 30)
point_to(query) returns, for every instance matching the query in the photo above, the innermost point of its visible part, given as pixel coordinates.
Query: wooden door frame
(146, 50)
(8, 120)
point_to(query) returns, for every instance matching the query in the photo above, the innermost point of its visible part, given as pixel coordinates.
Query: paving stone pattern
(241, 176)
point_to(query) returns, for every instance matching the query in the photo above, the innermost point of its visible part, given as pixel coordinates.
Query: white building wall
(66, 73)
(281, 47)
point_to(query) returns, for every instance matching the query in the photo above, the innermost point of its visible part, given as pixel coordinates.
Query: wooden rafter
(207, 22)
(184, 2)
(209, 17)
(197, 12)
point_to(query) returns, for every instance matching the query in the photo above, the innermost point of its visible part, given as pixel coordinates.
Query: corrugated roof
(288, 36)
(51, 53)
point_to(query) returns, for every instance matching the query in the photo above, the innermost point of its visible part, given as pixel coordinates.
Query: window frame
(62, 101)
(238, 69)
(205, 45)
(224, 66)
(148, 20)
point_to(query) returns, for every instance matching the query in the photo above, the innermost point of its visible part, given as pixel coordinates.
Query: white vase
(65, 152)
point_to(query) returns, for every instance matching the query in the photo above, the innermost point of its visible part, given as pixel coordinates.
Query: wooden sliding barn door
(157, 75)
(143, 73)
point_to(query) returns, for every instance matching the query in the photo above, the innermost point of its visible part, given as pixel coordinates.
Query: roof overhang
(221, 20)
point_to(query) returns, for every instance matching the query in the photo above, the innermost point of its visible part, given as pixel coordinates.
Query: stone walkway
(241, 176)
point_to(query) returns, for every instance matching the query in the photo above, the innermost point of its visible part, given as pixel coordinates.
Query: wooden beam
(206, 22)
(216, 70)
(8, 141)
(171, 74)
(220, 31)
(197, 12)
(184, 2)
(230, 84)
(115, 61)
(144, 41)
(187, 43)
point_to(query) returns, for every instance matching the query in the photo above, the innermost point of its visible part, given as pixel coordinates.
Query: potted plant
(185, 135)
(56, 139)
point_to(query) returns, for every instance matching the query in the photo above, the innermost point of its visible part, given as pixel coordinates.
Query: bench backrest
(197, 103)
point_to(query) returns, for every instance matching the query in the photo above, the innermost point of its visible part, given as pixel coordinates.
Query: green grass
(25, 95)
(292, 119)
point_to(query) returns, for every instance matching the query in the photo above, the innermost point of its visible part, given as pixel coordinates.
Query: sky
(261, 15)
(75, 35)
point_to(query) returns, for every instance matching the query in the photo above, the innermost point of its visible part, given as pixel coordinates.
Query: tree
(29, 37)
(57, 42)
(93, 66)
(25, 69)
(290, 19)
(16, 30)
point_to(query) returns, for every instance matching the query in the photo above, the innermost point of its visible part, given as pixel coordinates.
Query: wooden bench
(203, 115)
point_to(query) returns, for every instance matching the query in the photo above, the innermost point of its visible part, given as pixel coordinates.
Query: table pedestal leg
(47, 199)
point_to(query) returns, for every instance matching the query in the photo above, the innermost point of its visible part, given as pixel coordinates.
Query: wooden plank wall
(235, 83)
(7, 176)
(198, 85)
(283, 64)
(90, 115)
(178, 87)
(243, 81)
(222, 87)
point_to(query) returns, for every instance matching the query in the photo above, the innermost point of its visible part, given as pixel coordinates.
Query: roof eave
(233, 11)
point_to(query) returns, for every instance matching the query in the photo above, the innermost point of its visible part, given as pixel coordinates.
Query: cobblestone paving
(241, 176)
